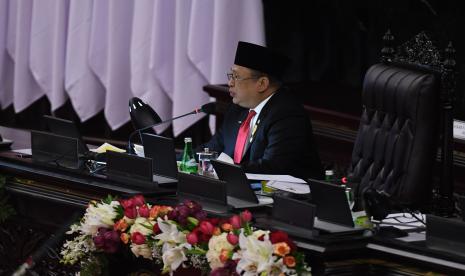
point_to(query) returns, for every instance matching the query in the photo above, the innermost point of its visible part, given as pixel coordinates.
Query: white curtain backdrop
(100, 53)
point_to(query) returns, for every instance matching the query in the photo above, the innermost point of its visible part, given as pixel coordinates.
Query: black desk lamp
(142, 115)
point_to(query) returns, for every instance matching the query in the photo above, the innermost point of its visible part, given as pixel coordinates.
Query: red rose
(206, 227)
(137, 238)
(127, 203)
(156, 228)
(280, 236)
(246, 216)
(144, 211)
(130, 212)
(138, 200)
(214, 221)
(235, 221)
(204, 237)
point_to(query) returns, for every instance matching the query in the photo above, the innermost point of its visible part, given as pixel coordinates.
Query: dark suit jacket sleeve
(216, 143)
(287, 145)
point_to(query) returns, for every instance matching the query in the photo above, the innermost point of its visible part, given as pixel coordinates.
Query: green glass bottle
(188, 164)
(329, 175)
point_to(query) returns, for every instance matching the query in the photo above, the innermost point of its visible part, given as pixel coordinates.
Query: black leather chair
(396, 145)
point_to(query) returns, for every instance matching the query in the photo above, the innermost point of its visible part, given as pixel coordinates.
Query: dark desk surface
(51, 188)
(53, 181)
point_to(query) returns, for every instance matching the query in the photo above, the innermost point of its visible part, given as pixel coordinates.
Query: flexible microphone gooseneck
(208, 108)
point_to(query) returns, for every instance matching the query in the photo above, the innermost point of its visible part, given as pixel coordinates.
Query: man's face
(243, 87)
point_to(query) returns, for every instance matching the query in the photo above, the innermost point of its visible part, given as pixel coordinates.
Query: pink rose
(192, 238)
(235, 221)
(232, 239)
(246, 216)
(137, 238)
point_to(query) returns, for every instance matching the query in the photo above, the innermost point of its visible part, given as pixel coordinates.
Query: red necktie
(242, 137)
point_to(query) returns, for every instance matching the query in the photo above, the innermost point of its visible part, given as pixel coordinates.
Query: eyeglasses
(234, 77)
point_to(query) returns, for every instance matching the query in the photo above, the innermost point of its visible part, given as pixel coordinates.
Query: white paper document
(404, 221)
(225, 158)
(23, 151)
(275, 177)
(296, 188)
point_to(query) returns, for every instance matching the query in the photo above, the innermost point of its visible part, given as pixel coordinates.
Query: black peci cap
(262, 59)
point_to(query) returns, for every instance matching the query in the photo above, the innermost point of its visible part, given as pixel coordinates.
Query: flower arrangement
(180, 236)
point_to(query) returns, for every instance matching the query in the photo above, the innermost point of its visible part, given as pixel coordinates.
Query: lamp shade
(142, 114)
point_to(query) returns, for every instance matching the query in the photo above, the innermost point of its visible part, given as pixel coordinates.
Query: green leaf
(150, 227)
(197, 251)
(109, 199)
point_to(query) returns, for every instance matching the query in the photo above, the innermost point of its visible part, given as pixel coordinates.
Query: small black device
(391, 232)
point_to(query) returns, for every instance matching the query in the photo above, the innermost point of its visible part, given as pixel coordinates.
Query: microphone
(209, 108)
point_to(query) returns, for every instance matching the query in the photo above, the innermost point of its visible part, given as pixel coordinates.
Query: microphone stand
(130, 149)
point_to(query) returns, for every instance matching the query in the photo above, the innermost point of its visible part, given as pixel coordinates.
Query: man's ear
(263, 84)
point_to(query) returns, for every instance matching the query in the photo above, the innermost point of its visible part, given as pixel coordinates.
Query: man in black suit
(265, 130)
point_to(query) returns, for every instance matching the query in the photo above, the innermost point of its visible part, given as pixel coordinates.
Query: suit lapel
(237, 124)
(258, 125)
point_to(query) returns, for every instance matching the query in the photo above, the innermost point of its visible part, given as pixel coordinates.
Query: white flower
(143, 226)
(215, 245)
(100, 215)
(76, 249)
(173, 258)
(170, 235)
(258, 233)
(74, 228)
(255, 256)
(141, 250)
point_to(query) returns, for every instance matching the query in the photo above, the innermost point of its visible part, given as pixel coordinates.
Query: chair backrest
(396, 145)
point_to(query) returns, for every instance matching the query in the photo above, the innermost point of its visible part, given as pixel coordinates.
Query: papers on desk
(23, 151)
(103, 148)
(296, 188)
(282, 182)
(275, 177)
(404, 221)
(225, 158)
(276, 181)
